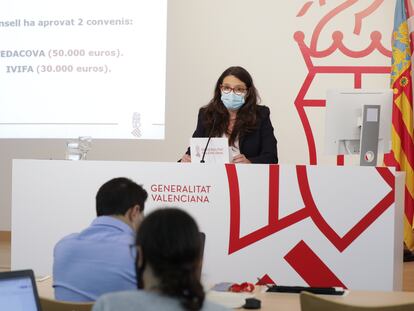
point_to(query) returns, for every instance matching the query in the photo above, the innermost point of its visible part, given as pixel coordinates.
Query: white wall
(207, 36)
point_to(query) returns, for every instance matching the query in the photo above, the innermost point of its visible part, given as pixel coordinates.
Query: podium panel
(293, 225)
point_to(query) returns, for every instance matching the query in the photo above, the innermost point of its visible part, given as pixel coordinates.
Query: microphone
(208, 140)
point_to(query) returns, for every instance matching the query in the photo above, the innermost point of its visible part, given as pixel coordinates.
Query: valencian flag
(402, 113)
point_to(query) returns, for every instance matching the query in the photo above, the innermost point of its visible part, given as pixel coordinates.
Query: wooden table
(290, 302)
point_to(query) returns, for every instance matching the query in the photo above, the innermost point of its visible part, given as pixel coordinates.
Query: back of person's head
(170, 245)
(118, 195)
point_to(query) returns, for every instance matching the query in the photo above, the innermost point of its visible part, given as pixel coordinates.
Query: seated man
(101, 258)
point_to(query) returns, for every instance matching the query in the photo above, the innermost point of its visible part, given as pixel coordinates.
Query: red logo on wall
(311, 53)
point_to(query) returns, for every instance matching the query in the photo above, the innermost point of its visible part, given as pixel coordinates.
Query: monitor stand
(370, 135)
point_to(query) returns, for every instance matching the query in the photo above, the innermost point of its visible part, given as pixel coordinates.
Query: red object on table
(242, 288)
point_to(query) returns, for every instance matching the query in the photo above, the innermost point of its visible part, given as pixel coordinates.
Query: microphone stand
(208, 141)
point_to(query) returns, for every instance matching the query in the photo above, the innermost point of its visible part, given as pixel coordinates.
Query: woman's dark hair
(217, 114)
(170, 242)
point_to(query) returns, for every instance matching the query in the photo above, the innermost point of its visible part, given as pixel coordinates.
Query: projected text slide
(82, 68)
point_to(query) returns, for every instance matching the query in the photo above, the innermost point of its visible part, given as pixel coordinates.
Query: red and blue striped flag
(402, 112)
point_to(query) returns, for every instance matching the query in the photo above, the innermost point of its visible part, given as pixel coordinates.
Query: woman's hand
(186, 158)
(240, 158)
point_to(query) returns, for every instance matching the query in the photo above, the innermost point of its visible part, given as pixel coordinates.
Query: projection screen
(83, 68)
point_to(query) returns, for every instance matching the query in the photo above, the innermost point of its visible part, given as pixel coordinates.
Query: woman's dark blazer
(259, 146)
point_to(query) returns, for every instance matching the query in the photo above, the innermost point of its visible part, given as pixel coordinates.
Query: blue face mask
(232, 101)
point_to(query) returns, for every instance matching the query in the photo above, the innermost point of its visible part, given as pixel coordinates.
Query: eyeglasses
(238, 90)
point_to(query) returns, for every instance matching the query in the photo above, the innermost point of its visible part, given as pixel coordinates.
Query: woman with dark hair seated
(234, 112)
(168, 267)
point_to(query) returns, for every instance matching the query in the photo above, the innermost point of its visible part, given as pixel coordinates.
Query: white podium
(294, 225)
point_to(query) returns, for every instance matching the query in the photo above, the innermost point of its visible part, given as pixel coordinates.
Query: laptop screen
(18, 291)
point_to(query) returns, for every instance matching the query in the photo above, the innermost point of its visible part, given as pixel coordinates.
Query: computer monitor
(344, 119)
(18, 291)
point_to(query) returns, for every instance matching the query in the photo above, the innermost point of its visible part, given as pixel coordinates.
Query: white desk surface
(290, 302)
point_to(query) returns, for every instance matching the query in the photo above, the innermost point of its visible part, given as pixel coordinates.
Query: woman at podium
(234, 112)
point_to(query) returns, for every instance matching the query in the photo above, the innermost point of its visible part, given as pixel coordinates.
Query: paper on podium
(217, 150)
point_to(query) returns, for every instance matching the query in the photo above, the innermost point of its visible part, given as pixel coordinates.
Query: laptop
(18, 291)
